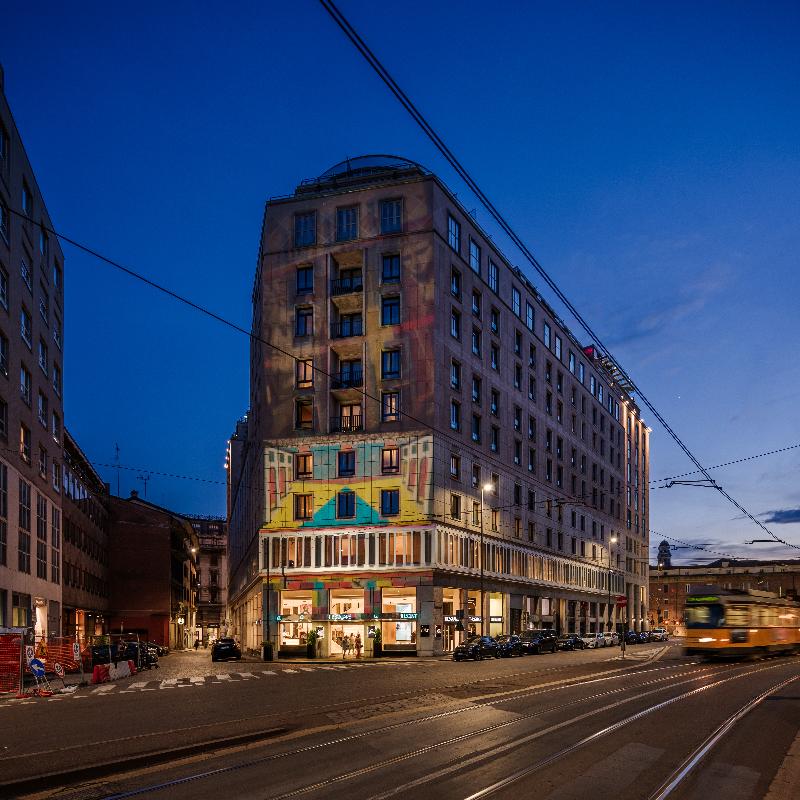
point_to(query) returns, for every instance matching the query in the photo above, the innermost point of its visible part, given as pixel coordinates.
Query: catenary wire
(404, 100)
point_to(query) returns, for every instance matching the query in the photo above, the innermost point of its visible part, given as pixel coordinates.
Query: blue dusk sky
(647, 153)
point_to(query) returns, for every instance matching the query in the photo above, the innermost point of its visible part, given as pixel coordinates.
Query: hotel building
(427, 446)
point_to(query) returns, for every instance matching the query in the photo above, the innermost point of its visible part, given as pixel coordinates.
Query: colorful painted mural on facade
(383, 481)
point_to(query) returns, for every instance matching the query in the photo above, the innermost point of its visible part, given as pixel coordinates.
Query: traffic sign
(29, 653)
(76, 651)
(59, 670)
(37, 668)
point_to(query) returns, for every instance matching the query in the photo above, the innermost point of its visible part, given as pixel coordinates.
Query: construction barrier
(103, 673)
(11, 664)
(61, 650)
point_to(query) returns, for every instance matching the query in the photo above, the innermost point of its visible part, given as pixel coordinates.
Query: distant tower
(664, 556)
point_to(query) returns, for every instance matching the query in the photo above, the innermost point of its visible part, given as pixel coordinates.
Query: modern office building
(31, 387)
(85, 558)
(669, 584)
(212, 577)
(435, 444)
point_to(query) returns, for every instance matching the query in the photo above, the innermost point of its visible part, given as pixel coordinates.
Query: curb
(68, 777)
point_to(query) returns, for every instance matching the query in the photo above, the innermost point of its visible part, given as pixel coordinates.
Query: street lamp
(486, 487)
(612, 540)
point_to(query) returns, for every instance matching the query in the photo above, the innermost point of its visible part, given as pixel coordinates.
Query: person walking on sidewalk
(358, 645)
(196, 644)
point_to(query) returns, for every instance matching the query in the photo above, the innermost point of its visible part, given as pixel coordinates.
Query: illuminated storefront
(399, 620)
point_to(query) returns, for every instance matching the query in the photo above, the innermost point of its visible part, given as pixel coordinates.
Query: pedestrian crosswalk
(632, 654)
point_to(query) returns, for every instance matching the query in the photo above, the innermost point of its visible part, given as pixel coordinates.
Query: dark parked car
(509, 646)
(631, 637)
(543, 641)
(224, 649)
(477, 647)
(644, 636)
(161, 650)
(570, 641)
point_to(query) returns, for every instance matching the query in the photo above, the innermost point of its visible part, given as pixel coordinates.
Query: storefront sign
(343, 617)
(438, 631)
(495, 619)
(424, 630)
(408, 615)
(475, 619)
(450, 618)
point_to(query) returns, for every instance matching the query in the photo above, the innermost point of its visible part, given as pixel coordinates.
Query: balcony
(347, 285)
(350, 379)
(347, 424)
(347, 327)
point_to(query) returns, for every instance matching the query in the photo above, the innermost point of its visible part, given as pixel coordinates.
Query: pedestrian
(359, 645)
(352, 643)
(345, 646)
(196, 644)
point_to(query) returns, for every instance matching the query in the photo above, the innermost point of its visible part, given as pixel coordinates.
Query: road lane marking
(106, 687)
(225, 676)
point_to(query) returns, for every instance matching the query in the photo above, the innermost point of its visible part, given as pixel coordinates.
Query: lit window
(303, 466)
(390, 406)
(390, 460)
(304, 415)
(303, 506)
(304, 373)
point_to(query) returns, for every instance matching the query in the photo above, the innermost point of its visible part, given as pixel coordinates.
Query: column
(428, 597)
(270, 607)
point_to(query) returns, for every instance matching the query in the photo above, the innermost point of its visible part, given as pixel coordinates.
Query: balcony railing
(346, 328)
(346, 424)
(352, 283)
(347, 380)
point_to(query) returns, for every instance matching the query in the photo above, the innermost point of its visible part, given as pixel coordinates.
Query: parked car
(659, 635)
(631, 637)
(644, 636)
(476, 647)
(161, 650)
(541, 641)
(224, 649)
(570, 641)
(594, 640)
(509, 646)
(612, 638)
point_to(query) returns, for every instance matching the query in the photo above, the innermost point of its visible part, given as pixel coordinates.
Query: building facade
(212, 577)
(440, 444)
(31, 388)
(85, 560)
(670, 585)
(153, 568)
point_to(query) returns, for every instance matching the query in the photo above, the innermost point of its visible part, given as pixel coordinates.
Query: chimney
(134, 494)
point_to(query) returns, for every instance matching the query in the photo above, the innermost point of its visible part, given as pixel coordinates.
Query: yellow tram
(726, 624)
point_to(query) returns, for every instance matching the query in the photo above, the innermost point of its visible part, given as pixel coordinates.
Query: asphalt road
(556, 727)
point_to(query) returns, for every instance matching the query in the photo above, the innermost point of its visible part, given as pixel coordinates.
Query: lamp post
(486, 487)
(611, 541)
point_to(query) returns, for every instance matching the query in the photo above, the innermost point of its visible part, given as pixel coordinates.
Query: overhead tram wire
(431, 133)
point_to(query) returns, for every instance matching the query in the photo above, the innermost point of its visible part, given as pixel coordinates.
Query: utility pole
(144, 478)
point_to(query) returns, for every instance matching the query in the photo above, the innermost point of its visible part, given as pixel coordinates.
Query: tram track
(664, 683)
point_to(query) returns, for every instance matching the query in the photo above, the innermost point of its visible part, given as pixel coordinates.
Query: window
(57, 331)
(305, 229)
(454, 233)
(515, 300)
(4, 288)
(55, 556)
(390, 460)
(531, 427)
(24, 538)
(476, 513)
(305, 280)
(303, 466)
(517, 418)
(517, 528)
(390, 272)
(495, 517)
(476, 341)
(528, 316)
(455, 283)
(345, 505)
(390, 364)
(304, 373)
(455, 374)
(494, 357)
(455, 415)
(56, 375)
(476, 304)
(303, 415)
(3, 221)
(494, 442)
(531, 459)
(56, 427)
(517, 376)
(517, 343)
(531, 388)
(303, 506)
(26, 326)
(493, 281)
(571, 362)
(391, 216)
(455, 324)
(476, 428)
(390, 502)
(44, 243)
(546, 335)
(42, 407)
(476, 476)
(494, 400)
(476, 389)
(3, 354)
(517, 451)
(455, 506)
(532, 357)
(58, 278)
(25, 384)
(494, 321)
(25, 443)
(43, 462)
(304, 322)
(43, 356)
(390, 406)
(44, 305)
(558, 347)
(3, 419)
(346, 224)
(581, 373)
(474, 256)
(390, 311)
(455, 466)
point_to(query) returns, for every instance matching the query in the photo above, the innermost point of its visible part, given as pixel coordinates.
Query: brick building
(670, 585)
(441, 442)
(31, 387)
(212, 577)
(153, 572)
(85, 551)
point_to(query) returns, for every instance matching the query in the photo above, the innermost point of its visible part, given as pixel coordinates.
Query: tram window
(739, 616)
(705, 616)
